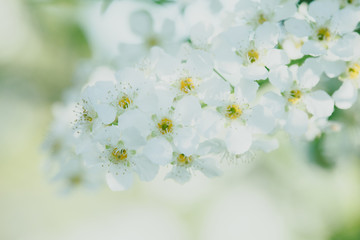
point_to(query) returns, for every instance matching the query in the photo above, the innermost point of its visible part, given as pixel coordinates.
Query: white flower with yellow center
(132, 91)
(186, 74)
(298, 99)
(143, 26)
(240, 50)
(185, 165)
(325, 26)
(255, 13)
(347, 94)
(120, 155)
(93, 111)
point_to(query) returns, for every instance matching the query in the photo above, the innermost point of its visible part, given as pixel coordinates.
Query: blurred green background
(301, 191)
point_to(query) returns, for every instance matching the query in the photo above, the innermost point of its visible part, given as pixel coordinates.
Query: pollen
(186, 85)
(323, 34)
(165, 126)
(233, 111)
(252, 55)
(354, 71)
(119, 155)
(125, 102)
(183, 160)
(261, 19)
(295, 96)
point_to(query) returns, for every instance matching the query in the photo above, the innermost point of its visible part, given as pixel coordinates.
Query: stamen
(252, 55)
(186, 85)
(125, 102)
(233, 111)
(183, 160)
(119, 155)
(85, 116)
(295, 96)
(261, 19)
(323, 34)
(165, 126)
(354, 71)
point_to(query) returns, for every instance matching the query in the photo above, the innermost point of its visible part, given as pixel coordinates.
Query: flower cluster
(261, 67)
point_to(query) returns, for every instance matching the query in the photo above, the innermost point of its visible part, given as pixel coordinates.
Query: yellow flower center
(75, 179)
(295, 96)
(252, 55)
(261, 19)
(323, 34)
(233, 111)
(354, 71)
(152, 41)
(119, 155)
(184, 160)
(186, 85)
(165, 126)
(124, 102)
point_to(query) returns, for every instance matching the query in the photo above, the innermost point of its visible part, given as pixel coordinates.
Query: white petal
(186, 140)
(297, 27)
(347, 47)
(246, 90)
(119, 182)
(309, 73)
(105, 112)
(135, 118)
(207, 123)
(159, 151)
(333, 68)
(132, 138)
(281, 78)
(276, 57)
(200, 33)
(132, 77)
(313, 48)
(147, 101)
(346, 95)
(165, 63)
(207, 166)
(187, 110)
(285, 10)
(261, 120)
(237, 36)
(179, 174)
(345, 20)
(274, 102)
(266, 145)
(266, 35)
(107, 135)
(238, 140)
(297, 122)
(319, 103)
(145, 169)
(100, 92)
(168, 29)
(255, 72)
(200, 64)
(323, 10)
(141, 23)
(165, 99)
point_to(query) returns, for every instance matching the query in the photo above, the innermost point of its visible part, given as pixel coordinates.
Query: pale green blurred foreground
(284, 195)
